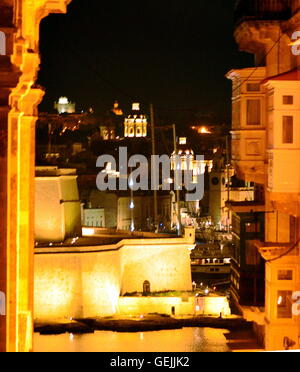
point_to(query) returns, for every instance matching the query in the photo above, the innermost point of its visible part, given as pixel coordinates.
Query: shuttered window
(253, 112)
(288, 130)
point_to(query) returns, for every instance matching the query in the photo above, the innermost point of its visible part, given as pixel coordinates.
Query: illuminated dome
(63, 101)
(64, 106)
(183, 149)
(263, 10)
(185, 154)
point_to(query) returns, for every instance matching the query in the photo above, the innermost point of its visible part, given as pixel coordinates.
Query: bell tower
(136, 124)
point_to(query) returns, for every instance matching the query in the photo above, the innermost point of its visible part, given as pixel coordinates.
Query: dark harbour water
(182, 340)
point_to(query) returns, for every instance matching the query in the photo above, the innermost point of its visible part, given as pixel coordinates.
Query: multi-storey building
(266, 150)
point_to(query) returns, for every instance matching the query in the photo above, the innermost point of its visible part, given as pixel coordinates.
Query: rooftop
(246, 206)
(50, 171)
(100, 237)
(292, 75)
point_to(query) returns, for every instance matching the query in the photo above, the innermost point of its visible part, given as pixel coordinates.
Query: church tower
(136, 123)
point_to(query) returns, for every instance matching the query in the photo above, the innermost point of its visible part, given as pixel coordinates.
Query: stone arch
(2, 43)
(146, 288)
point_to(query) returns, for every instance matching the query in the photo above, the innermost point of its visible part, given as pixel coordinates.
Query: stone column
(19, 98)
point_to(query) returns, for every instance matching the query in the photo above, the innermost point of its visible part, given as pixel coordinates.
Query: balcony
(269, 250)
(246, 206)
(263, 10)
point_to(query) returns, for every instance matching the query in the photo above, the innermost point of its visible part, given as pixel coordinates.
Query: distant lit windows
(2, 44)
(135, 107)
(182, 141)
(253, 87)
(287, 129)
(253, 112)
(285, 275)
(284, 305)
(288, 100)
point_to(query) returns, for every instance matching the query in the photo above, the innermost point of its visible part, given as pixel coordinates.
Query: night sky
(171, 53)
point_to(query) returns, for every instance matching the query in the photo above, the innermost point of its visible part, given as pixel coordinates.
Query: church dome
(268, 10)
(183, 149)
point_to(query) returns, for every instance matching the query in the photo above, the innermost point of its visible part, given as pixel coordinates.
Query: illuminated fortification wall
(88, 283)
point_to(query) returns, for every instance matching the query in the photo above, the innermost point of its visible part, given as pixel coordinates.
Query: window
(253, 87)
(285, 275)
(284, 305)
(288, 130)
(253, 112)
(288, 100)
(215, 181)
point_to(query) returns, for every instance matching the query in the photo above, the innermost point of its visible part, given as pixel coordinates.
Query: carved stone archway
(19, 99)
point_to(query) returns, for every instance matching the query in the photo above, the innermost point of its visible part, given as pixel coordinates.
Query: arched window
(2, 44)
(146, 288)
(138, 131)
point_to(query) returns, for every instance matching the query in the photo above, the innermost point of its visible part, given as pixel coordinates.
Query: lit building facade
(64, 106)
(136, 124)
(93, 217)
(248, 124)
(267, 152)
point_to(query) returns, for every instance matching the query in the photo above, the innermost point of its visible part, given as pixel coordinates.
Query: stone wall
(76, 285)
(166, 267)
(179, 306)
(89, 284)
(136, 306)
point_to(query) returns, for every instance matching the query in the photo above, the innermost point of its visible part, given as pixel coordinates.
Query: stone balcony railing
(246, 206)
(269, 250)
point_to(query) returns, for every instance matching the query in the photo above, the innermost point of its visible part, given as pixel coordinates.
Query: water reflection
(183, 340)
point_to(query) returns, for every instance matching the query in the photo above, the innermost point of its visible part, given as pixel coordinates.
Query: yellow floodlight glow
(204, 130)
(182, 141)
(88, 231)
